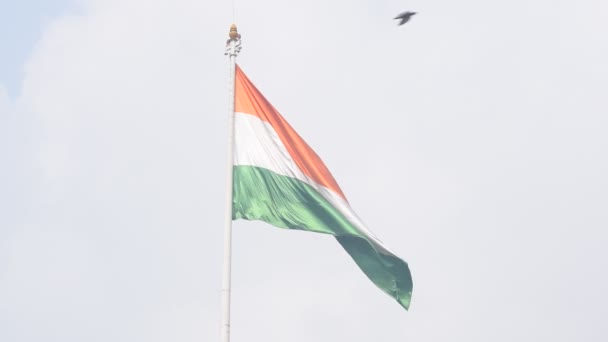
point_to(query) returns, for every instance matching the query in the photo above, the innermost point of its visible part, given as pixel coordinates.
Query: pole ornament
(233, 44)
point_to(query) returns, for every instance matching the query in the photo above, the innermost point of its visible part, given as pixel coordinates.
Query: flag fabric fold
(279, 179)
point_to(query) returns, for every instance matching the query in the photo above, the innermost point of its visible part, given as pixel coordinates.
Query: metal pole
(233, 46)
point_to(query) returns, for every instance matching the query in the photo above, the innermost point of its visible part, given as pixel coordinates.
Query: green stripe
(260, 194)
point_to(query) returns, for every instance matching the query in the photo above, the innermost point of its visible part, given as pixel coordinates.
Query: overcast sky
(473, 141)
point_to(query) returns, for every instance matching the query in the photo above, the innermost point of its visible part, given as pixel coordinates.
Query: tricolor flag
(280, 180)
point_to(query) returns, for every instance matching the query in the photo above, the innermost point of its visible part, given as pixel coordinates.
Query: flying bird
(405, 17)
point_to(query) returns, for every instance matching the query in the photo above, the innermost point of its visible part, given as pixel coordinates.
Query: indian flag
(280, 180)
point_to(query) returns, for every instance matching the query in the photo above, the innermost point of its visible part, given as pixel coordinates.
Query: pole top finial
(233, 44)
(233, 32)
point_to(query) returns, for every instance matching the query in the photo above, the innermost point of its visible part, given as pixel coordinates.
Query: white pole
(233, 47)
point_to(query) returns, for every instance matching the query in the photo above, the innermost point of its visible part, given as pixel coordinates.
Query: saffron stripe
(249, 100)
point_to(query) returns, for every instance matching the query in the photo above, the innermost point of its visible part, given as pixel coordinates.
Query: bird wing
(401, 15)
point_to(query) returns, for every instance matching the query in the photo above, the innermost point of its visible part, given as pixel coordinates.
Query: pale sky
(472, 140)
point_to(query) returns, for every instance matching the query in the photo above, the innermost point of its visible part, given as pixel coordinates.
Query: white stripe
(257, 144)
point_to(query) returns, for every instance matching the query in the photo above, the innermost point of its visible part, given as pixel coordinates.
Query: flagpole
(233, 46)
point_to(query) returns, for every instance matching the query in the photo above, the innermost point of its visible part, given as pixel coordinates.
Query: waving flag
(279, 179)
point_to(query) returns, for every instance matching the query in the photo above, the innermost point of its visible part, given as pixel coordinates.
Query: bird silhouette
(405, 17)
